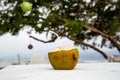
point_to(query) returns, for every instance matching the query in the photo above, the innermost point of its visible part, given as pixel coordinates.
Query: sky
(10, 46)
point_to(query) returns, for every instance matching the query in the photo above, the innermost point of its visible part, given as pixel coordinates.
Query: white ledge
(83, 71)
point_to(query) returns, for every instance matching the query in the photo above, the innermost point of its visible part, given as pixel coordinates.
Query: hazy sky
(10, 46)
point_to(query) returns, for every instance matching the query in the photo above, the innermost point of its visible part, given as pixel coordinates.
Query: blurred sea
(9, 61)
(82, 59)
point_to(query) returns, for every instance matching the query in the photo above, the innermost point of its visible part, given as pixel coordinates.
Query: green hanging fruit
(26, 6)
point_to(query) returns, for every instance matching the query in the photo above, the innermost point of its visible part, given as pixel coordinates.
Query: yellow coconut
(64, 58)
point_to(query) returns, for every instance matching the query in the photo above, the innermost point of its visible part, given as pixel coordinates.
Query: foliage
(65, 17)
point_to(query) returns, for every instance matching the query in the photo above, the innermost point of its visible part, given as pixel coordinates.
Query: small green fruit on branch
(26, 6)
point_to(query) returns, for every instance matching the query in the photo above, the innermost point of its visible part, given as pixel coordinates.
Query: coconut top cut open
(63, 48)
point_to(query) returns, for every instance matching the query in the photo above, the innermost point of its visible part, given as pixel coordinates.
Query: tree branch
(96, 49)
(83, 43)
(114, 41)
(78, 41)
(52, 40)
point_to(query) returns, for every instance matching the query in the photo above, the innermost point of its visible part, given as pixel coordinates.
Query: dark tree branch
(85, 44)
(77, 41)
(52, 40)
(93, 47)
(113, 40)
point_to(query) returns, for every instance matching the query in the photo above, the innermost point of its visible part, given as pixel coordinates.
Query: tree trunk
(109, 37)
